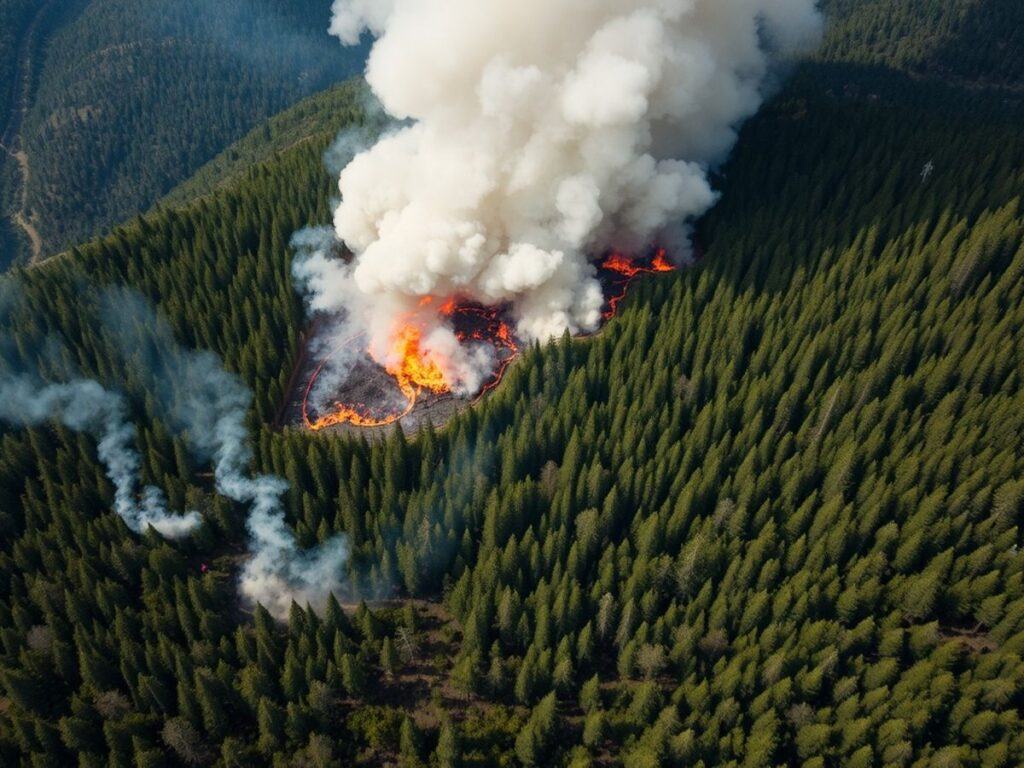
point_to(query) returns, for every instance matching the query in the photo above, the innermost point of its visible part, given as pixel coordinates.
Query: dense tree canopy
(976, 41)
(318, 117)
(769, 515)
(134, 95)
(16, 15)
(24, 27)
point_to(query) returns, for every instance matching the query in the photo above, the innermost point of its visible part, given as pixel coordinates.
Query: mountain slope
(980, 42)
(769, 516)
(24, 26)
(15, 17)
(317, 117)
(133, 97)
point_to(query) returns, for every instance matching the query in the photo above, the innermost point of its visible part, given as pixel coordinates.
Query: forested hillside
(769, 516)
(25, 25)
(134, 96)
(979, 42)
(317, 117)
(15, 15)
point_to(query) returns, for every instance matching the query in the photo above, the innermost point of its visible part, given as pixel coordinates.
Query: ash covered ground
(367, 383)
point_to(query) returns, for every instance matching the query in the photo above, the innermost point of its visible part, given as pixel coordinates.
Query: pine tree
(388, 657)
(409, 739)
(449, 751)
(353, 674)
(271, 721)
(534, 740)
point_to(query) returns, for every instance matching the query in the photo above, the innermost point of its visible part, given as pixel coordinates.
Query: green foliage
(535, 739)
(977, 40)
(24, 27)
(313, 119)
(17, 16)
(379, 728)
(448, 753)
(133, 97)
(781, 493)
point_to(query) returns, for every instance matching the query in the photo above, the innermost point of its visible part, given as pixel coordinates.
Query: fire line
(416, 371)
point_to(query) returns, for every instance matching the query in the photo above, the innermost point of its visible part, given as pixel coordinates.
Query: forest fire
(623, 270)
(416, 372)
(412, 369)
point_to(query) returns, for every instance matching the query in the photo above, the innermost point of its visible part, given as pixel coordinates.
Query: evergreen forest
(130, 97)
(770, 515)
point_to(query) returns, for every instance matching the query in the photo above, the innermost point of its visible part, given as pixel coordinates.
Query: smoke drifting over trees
(82, 405)
(85, 406)
(209, 405)
(200, 400)
(540, 133)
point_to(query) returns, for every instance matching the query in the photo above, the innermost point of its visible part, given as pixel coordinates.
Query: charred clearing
(373, 399)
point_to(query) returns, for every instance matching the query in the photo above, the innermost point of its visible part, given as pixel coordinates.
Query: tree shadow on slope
(845, 152)
(988, 46)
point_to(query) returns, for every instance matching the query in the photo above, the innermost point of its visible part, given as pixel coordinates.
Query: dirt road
(10, 139)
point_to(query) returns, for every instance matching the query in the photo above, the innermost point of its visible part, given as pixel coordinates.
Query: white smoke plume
(540, 133)
(360, 136)
(209, 406)
(85, 406)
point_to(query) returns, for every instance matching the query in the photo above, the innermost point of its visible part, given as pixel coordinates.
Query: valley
(22, 80)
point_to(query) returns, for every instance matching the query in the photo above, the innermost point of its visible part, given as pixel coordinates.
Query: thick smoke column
(85, 406)
(541, 133)
(209, 405)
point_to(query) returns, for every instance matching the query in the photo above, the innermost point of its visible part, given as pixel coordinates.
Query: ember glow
(418, 372)
(413, 369)
(356, 414)
(623, 270)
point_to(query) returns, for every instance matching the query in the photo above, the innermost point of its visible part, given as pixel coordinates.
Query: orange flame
(660, 262)
(416, 370)
(621, 264)
(356, 414)
(411, 368)
(627, 269)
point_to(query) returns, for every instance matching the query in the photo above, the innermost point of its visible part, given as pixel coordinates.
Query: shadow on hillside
(847, 150)
(988, 49)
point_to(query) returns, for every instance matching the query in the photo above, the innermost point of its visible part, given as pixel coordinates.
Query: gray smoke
(27, 400)
(209, 406)
(196, 398)
(360, 136)
(85, 406)
(339, 339)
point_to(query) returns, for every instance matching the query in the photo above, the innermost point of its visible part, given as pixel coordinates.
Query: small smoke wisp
(85, 406)
(535, 136)
(209, 406)
(27, 399)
